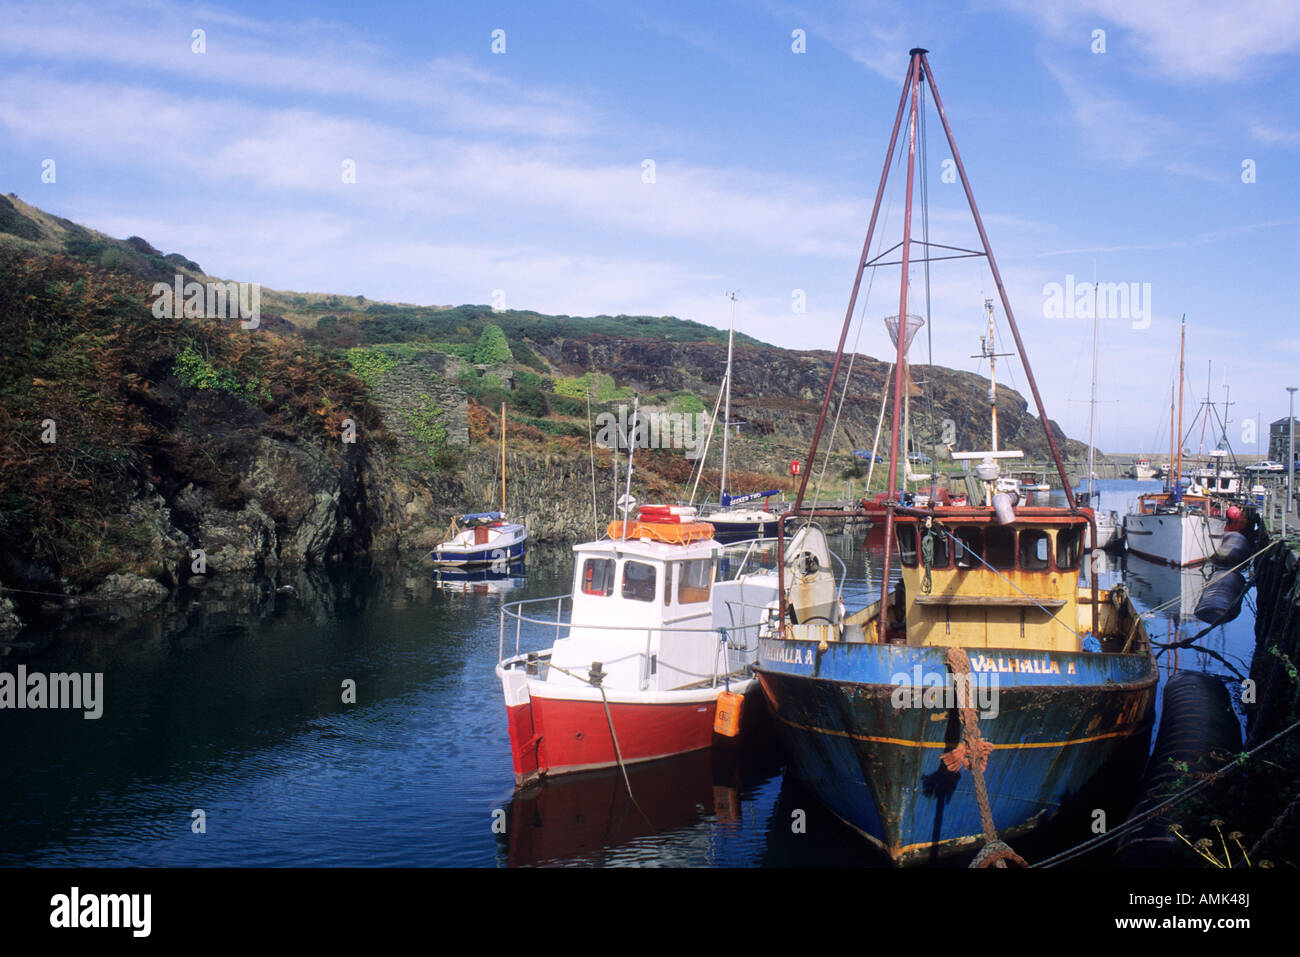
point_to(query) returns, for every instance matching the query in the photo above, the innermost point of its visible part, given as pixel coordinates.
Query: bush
(369, 365)
(529, 398)
(195, 372)
(566, 405)
(492, 398)
(492, 348)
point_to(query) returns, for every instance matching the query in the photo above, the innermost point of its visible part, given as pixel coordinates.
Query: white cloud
(1191, 41)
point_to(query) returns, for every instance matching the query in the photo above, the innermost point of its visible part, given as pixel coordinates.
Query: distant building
(1279, 439)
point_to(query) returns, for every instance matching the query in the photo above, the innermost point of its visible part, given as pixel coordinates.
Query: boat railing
(537, 623)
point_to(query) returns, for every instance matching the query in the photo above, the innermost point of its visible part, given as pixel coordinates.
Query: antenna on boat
(631, 455)
(989, 351)
(726, 412)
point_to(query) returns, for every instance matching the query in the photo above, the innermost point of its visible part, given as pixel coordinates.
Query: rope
(704, 456)
(927, 555)
(609, 718)
(973, 752)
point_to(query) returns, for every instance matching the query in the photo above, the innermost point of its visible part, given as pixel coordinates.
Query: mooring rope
(973, 752)
(609, 718)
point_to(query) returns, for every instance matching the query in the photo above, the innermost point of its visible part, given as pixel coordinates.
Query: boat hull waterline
(567, 731)
(878, 766)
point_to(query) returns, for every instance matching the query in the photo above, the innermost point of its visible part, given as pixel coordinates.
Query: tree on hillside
(492, 348)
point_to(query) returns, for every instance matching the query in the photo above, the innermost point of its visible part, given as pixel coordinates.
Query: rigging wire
(929, 324)
(848, 374)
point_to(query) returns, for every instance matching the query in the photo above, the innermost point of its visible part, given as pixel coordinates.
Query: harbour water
(239, 712)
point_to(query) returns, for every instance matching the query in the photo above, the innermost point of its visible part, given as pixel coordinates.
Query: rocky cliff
(152, 451)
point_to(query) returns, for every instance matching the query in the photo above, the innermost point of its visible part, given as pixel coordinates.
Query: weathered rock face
(233, 540)
(298, 487)
(131, 589)
(779, 392)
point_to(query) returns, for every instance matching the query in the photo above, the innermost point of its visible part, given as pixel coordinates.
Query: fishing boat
(1180, 526)
(484, 538)
(1142, 469)
(661, 624)
(1033, 482)
(986, 690)
(1217, 477)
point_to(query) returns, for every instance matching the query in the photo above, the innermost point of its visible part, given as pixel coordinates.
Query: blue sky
(522, 171)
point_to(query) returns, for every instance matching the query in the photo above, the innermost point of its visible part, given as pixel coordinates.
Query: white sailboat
(1107, 520)
(736, 519)
(486, 538)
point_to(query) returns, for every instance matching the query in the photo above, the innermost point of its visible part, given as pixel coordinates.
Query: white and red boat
(662, 620)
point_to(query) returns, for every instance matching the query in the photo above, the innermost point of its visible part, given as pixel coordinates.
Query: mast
(993, 375)
(857, 284)
(1092, 402)
(1173, 438)
(503, 460)
(726, 414)
(631, 455)
(1182, 346)
(918, 67)
(914, 81)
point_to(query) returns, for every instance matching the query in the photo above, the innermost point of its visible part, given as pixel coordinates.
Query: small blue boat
(487, 540)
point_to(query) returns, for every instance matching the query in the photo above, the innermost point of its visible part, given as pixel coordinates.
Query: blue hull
(1062, 720)
(741, 531)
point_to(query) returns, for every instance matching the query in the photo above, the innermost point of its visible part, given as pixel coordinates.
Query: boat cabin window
(668, 585)
(1069, 545)
(1000, 547)
(969, 548)
(911, 537)
(1035, 549)
(598, 576)
(907, 545)
(694, 580)
(638, 581)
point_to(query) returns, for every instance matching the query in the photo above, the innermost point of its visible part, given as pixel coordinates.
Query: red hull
(550, 736)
